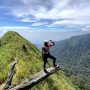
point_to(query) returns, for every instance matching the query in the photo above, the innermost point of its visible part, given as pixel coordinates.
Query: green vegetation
(74, 55)
(29, 62)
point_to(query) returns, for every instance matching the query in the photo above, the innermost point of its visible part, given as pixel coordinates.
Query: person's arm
(42, 51)
(51, 44)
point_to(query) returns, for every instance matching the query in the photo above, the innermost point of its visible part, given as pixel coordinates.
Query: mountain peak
(10, 36)
(11, 32)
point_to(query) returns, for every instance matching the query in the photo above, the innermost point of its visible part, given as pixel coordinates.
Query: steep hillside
(29, 63)
(74, 55)
(12, 46)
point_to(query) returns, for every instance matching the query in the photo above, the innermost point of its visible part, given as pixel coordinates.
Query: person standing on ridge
(46, 53)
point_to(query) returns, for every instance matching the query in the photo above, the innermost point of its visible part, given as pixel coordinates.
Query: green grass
(28, 64)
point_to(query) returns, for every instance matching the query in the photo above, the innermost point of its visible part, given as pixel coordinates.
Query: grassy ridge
(29, 63)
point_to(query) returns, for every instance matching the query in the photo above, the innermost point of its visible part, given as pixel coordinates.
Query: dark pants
(46, 56)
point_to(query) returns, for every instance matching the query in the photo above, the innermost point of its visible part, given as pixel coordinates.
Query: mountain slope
(29, 62)
(74, 55)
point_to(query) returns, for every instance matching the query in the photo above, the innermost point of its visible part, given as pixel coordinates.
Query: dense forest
(74, 56)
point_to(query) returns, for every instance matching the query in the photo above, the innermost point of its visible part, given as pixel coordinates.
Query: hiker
(46, 53)
(24, 48)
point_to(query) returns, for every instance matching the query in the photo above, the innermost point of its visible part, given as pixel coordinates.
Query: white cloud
(28, 20)
(39, 23)
(17, 13)
(70, 22)
(14, 28)
(71, 11)
(60, 10)
(86, 28)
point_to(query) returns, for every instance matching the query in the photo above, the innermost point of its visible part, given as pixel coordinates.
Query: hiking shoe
(56, 66)
(45, 71)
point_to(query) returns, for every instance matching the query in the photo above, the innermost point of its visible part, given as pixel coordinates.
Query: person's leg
(45, 61)
(53, 58)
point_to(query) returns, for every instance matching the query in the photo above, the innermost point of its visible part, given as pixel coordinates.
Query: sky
(39, 20)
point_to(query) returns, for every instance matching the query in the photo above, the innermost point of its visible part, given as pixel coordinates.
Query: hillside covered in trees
(74, 55)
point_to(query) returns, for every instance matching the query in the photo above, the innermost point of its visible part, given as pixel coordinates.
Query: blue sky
(38, 20)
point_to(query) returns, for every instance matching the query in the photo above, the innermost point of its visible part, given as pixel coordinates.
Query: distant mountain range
(74, 55)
